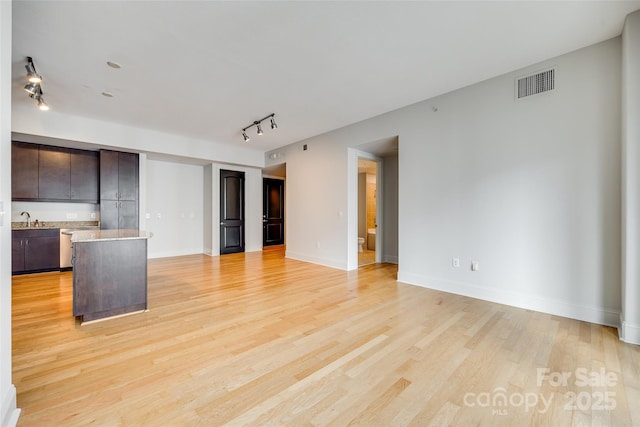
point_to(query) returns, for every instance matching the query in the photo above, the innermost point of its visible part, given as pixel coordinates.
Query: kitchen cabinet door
(42, 253)
(54, 173)
(24, 171)
(128, 176)
(128, 214)
(108, 175)
(109, 214)
(17, 255)
(84, 175)
(35, 250)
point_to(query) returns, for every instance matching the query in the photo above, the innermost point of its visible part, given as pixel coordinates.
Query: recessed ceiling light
(114, 64)
(107, 94)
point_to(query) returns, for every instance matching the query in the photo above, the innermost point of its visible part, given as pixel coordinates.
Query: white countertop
(103, 235)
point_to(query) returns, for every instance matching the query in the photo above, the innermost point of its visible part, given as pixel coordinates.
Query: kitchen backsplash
(55, 212)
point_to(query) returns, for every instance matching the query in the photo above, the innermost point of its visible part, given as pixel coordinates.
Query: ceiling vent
(543, 81)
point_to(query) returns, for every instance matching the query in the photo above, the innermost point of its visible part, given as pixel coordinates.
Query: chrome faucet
(28, 218)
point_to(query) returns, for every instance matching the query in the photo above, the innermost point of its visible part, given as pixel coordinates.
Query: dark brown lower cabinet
(121, 214)
(109, 278)
(34, 250)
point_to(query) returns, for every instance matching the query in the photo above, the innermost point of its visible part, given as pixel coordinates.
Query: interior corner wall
(390, 209)
(8, 408)
(175, 204)
(207, 220)
(528, 188)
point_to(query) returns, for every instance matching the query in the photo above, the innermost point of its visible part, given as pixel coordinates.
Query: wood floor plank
(257, 339)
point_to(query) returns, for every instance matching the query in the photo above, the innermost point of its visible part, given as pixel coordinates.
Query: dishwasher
(66, 247)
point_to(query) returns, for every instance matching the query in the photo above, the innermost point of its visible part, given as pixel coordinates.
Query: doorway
(367, 211)
(232, 233)
(272, 211)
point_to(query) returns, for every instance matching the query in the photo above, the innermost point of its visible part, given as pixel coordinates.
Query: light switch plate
(1, 214)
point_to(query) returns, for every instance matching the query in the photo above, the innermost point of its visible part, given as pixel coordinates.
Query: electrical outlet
(475, 265)
(93, 215)
(148, 215)
(455, 262)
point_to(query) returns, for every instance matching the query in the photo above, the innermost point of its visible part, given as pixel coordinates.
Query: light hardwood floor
(256, 339)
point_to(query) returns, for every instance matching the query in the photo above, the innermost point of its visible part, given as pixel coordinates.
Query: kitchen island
(109, 273)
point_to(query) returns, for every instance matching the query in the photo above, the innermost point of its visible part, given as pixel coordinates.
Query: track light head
(32, 88)
(273, 123)
(245, 136)
(43, 106)
(32, 75)
(259, 128)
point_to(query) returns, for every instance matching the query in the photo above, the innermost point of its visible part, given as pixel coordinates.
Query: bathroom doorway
(368, 211)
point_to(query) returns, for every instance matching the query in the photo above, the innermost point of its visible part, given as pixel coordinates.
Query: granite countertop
(48, 225)
(104, 235)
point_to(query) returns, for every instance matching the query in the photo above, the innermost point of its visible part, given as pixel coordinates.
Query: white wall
(174, 201)
(252, 207)
(528, 188)
(8, 412)
(630, 314)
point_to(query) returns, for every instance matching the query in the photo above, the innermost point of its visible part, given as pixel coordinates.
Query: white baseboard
(10, 412)
(567, 309)
(333, 263)
(629, 332)
(391, 259)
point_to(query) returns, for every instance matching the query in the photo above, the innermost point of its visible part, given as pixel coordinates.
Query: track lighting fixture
(258, 125)
(34, 88)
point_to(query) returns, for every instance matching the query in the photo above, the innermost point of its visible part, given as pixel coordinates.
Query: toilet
(360, 243)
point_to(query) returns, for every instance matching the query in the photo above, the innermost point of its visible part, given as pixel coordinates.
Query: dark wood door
(231, 211)
(272, 212)
(24, 171)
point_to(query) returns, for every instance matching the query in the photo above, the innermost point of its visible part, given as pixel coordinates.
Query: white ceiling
(206, 69)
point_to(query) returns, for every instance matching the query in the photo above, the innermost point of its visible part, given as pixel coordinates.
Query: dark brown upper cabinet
(54, 180)
(54, 174)
(24, 171)
(118, 175)
(118, 190)
(84, 166)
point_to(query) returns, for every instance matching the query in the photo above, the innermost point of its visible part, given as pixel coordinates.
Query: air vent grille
(536, 83)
